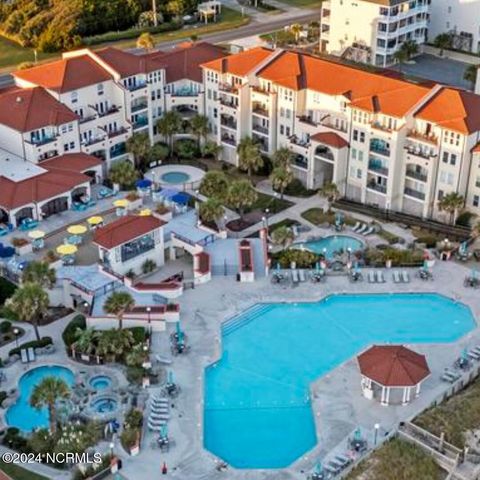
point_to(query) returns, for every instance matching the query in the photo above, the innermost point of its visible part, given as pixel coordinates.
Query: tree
(400, 57)
(29, 302)
(249, 157)
(169, 125)
(137, 356)
(146, 41)
(281, 177)
(200, 127)
(117, 304)
(158, 153)
(282, 158)
(211, 148)
(296, 29)
(410, 47)
(123, 173)
(85, 340)
(330, 192)
(214, 185)
(212, 211)
(41, 273)
(470, 74)
(186, 148)
(139, 146)
(46, 394)
(115, 343)
(443, 41)
(283, 236)
(451, 203)
(241, 195)
(175, 7)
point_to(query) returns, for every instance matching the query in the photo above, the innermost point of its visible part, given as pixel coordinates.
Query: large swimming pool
(257, 410)
(21, 414)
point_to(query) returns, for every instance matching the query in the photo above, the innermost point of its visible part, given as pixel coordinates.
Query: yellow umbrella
(36, 234)
(77, 229)
(146, 212)
(95, 220)
(121, 203)
(66, 249)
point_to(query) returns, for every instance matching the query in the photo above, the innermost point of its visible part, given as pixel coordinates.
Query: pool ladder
(244, 318)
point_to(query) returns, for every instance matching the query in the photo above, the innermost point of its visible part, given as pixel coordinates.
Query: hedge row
(43, 342)
(68, 334)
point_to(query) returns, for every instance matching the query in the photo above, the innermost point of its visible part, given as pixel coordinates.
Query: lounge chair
(160, 398)
(301, 275)
(369, 231)
(337, 463)
(380, 277)
(156, 426)
(23, 355)
(371, 277)
(363, 228)
(295, 276)
(453, 374)
(158, 416)
(31, 354)
(476, 349)
(396, 276)
(448, 378)
(356, 227)
(344, 459)
(473, 355)
(159, 408)
(332, 468)
(161, 359)
(405, 277)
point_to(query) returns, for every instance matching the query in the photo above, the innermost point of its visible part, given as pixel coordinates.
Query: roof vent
(19, 99)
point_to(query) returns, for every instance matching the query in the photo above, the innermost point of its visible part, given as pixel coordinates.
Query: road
(253, 28)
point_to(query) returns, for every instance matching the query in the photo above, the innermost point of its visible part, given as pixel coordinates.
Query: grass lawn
(265, 201)
(397, 460)
(456, 416)
(288, 222)
(12, 54)
(19, 473)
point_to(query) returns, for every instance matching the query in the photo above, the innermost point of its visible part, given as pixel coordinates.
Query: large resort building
(384, 141)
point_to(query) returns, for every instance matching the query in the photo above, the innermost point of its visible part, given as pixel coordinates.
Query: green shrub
(139, 334)
(7, 289)
(43, 342)
(135, 375)
(68, 334)
(430, 241)
(134, 418)
(5, 326)
(297, 189)
(464, 219)
(8, 313)
(390, 237)
(14, 440)
(378, 257)
(302, 258)
(3, 396)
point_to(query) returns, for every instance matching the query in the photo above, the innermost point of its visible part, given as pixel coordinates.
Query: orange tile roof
(330, 138)
(66, 74)
(368, 91)
(476, 148)
(125, 229)
(27, 109)
(123, 62)
(453, 109)
(241, 63)
(73, 162)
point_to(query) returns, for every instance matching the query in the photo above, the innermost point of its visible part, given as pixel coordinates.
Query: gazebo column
(384, 397)
(417, 390)
(406, 395)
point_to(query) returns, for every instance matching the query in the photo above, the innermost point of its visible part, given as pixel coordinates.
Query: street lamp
(349, 251)
(112, 445)
(149, 309)
(16, 331)
(376, 427)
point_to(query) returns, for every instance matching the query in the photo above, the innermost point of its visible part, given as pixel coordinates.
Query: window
(360, 156)
(282, 130)
(445, 157)
(74, 97)
(100, 89)
(453, 159)
(287, 131)
(476, 200)
(359, 173)
(440, 194)
(354, 153)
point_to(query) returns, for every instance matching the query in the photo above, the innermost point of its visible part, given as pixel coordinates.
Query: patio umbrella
(178, 329)
(357, 434)
(146, 212)
(36, 234)
(74, 240)
(95, 220)
(170, 377)
(143, 183)
(77, 229)
(465, 355)
(66, 249)
(318, 468)
(121, 203)
(164, 431)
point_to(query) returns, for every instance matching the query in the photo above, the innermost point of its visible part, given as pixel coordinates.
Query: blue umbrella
(357, 434)
(164, 431)
(318, 468)
(465, 354)
(178, 329)
(143, 183)
(170, 377)
(278, 267)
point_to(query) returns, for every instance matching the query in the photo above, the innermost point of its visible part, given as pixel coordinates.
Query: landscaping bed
(7, 334)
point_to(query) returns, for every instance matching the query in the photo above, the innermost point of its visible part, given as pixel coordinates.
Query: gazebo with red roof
(392, 370)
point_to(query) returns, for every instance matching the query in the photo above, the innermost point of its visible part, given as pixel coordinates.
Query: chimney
(224, 64)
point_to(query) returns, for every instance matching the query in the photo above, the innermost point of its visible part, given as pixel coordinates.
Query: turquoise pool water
(100, 382)
(175, 177)
(257, 412)
(21, 414)
(334, 243)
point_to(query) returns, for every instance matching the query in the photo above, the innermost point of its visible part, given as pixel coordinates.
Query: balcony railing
(423, 137)
(228, 87)
(377, 187)
(414, 193)
(87, 119)
(301, 142)
(185, 93)
(38, 142)
(419, 151)
(137, 86)
(226, 102)
(261, 90)
(117, 132)
(93, 140)
(228, 122)
(378, 168)
(259, 110)
(229, 140)
(140, 123)
(139, 106)
(110, 110)
(381, 127)
(260, 129)
(307, 120)
(416, 175)
(377, 147)
(328, 122)
(300, 161)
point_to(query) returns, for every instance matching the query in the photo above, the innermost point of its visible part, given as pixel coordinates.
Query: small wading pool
(175, 177)
(332, 244)
(100, 382)
(104, 405)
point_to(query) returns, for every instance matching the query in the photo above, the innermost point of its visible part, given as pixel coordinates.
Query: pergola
(393, 371)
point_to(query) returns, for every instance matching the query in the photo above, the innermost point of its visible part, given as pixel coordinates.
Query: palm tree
(241, 195)
(330, 192)
(29, 302)
(211, 148)
(451, 203)
(46, 394)
(139, 146)
(41, 273)
(281, 178)
(145, 40)
(169, 125)
(282, 157)
(212, 210)
(214, 185)
(470, 74)
(400, 57)
(443, 41)
(117, 304)
(283, 236)
(296, 29)
(249, 157)
(200, 127)
(85, 340)
(137, 356)
(410, 47)
(175, 8)
(123, 173)
(115, 343)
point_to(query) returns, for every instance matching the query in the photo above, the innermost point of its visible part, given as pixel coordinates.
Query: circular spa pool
(175, 177)
(332, 244)
(104, 405)
(100, 382)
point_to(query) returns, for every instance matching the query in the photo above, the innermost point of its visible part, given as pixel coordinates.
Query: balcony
(380, 147)
(261, 90)
(87, 119)
(330, 123)
(39, 142)
(229, 140)
(226, 102)
(419, 151)
(186, 92)
(381, 127)
(325, 153)
(258, 109)
(136, 86)
(378, 167)
(141, 122)
(228, 122)
(423, 137)
(93, 140)
(136, 107)
(300, 161)
(228, 88)
(260, 129)
(110, 110)
(414, 193)
(301, 142)
(377, 187)
(410, 173)
(307, 120)
(117, 132)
